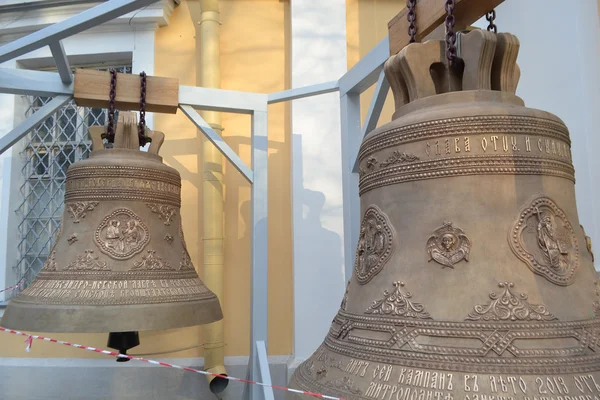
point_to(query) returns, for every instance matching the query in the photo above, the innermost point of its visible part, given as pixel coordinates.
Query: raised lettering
(494, 139)
(505, 143)
(540, 384)
(484, 144)
(493, 385)
(503, 386)
(370, 389)
(527, 144)
(522, 385)
(467, 144)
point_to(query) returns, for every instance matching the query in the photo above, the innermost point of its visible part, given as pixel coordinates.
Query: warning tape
(30, 338)
(16, 285)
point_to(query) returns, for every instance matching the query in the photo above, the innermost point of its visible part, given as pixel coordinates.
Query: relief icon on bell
(448, 245)
(374, 244)
(544, 239)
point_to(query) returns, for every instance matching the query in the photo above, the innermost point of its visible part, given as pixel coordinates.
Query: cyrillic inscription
(501, 144)
(76, 289)
(122, 183)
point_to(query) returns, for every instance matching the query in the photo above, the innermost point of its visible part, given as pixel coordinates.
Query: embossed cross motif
(79, 209)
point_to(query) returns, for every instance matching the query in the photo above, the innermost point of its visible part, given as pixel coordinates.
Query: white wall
(318, 55)
(560, 73)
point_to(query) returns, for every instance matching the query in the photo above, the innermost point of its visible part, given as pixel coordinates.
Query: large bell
(120, 262)
(472, 276)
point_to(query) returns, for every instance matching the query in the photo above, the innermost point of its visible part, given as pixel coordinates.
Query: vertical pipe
(208, 74)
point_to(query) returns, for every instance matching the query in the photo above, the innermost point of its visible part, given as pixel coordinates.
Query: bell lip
(114, 318)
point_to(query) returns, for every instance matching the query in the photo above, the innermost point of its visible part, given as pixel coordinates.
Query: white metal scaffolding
(367, 72)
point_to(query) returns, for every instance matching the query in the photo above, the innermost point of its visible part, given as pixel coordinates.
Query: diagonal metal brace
(377, 102)
(218, 141)
(31, 122)
(78, 23)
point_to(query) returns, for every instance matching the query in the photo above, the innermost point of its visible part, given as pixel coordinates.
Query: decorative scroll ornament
(597, 302)
(58, 232)
(374, 245)
(344, 383)
(181, 236)
(79, 209)
(509, 307)
(72, 239)
(88, 262)
(321, 373)
(345, 299)
(398, 157)
(151, 262)
(588, 243)
(122, 234)
(186, 262)
(50, 264)
(448, 245)
(398, 304)
(164, 212)
(544, 239)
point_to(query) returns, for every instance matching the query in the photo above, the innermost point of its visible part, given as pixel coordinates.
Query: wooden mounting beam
(431, 14)
(92, 88)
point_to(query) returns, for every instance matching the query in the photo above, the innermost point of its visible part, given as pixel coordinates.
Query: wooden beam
(92, 88)
(431, 15)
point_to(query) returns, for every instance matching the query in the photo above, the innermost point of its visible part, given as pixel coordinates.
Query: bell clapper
(123, 341)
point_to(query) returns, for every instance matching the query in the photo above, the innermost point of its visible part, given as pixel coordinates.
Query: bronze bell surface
(120, 262)
(473, 279)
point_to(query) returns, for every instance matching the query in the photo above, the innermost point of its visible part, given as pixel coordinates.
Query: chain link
(490, 17)
(142, 125)
(450, 34)
(412, 17)
(110, 129)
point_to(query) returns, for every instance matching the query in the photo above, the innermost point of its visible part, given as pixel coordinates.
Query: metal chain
(142, 124)
(110, 129)
(450, 34)
(412, 17)
(490, 17)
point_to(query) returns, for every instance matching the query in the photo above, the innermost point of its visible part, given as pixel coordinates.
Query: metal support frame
(363, 75)
(31, 122)
(78, 23)
(62, 63)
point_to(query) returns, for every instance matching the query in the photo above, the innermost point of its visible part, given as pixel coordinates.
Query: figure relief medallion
(544, 240)
(448, 245)
(374, 244)
(122, 234)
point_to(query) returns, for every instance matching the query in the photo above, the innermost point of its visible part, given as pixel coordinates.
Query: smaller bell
(120, 263)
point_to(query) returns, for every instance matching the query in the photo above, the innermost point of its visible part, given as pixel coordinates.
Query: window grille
(51, 147)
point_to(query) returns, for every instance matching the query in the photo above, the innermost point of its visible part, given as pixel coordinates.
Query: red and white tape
(30, 338)
(16, 285)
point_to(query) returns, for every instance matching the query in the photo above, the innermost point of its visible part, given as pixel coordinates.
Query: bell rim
(114, 318)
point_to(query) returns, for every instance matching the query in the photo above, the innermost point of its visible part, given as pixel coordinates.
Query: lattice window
(55, 144)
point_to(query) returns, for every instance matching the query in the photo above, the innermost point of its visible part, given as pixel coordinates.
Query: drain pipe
(206, 18)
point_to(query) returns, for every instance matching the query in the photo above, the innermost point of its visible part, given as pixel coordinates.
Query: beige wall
(366, 22)
(254, 57)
